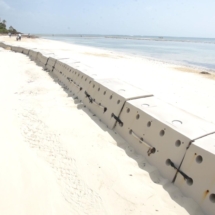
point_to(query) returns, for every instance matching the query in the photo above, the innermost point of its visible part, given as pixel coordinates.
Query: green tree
(11, 28)
(2, 26)
(3, 29)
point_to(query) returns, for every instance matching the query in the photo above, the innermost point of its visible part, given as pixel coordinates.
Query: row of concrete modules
(179, 144)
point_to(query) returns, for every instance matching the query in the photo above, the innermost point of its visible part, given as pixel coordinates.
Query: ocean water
(193, 52)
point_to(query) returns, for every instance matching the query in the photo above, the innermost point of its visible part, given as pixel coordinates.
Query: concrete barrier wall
(196, 177)
(179, 144)
(79, 83)
(19, 49)
(14, 48)
(161, 132)
(60, 70)
(25, 51)
(5, 46)
(50, 64)
(107, 97)
(33, 55)
(66, 74)
(41, 60)
(80, 80)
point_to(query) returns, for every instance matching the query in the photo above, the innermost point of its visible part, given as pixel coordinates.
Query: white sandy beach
(181, 86)
(57, 158)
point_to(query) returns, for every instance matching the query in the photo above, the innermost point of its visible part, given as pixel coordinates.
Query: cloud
(4, 5)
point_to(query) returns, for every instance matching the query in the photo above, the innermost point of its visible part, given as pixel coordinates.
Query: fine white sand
(57, 158)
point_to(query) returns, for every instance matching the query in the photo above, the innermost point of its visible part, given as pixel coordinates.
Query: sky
(188, 18)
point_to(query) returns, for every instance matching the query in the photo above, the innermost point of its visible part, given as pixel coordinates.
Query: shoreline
(182, 67)
(172, 62)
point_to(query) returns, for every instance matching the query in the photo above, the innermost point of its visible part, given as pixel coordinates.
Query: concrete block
(50, 64)
(33, 55)
(160, 132)
(8, 47)
(69, 73)
(196, 177)
(64, 72)
(79, 83)
(68, 76)
(82, 79)
(25, 51)
(14, 48)
(19, 49)
(5, 46)
(106, 98)
(49, 68)
(41, 60)
(55, 72)
(59, 67)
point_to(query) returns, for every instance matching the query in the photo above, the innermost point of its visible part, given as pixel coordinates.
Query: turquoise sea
(193, 52)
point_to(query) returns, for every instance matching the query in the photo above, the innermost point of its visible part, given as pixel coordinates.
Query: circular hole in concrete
(82, 76)
(85, 79)
(121, 90)
(168, 162)
(118, 101)
(98, 89)
(93, 85)
(128, 110)
(178, 143)
(130, 131)
(162, 132)
(189, 181)
(149, 124)
(212, 198)
(176, 122)
(199, 159)
(104, 92)
(141, 140)
(89, 82)
(138, 116)
(111, 97)
(144, 105)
